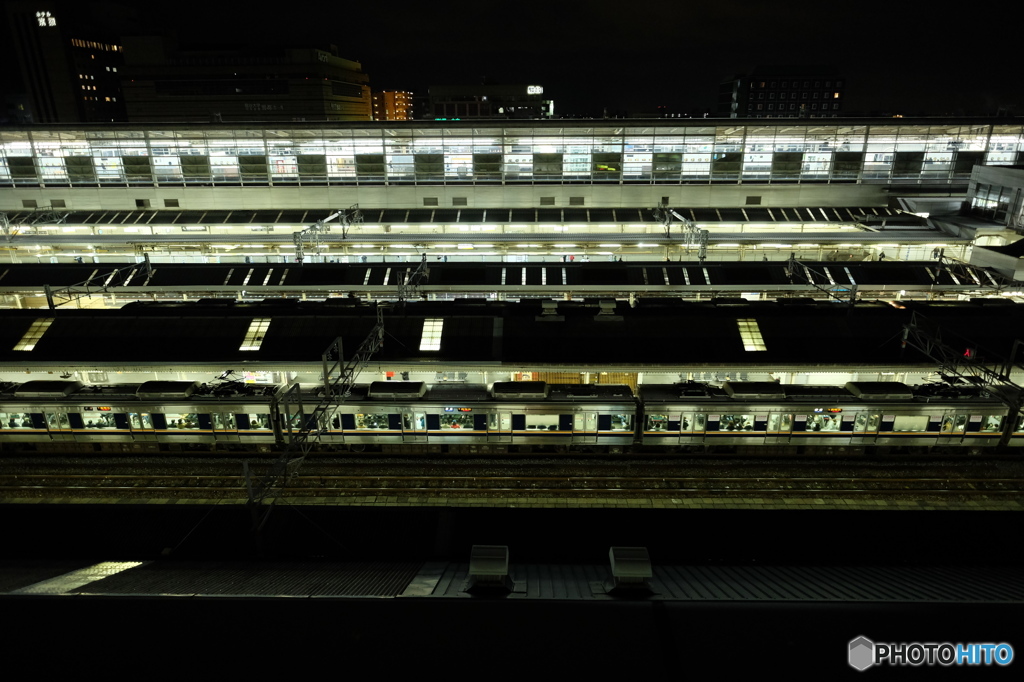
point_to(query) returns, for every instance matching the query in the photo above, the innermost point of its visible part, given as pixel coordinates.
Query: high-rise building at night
(392, 105)
(165, 83)
(71, 59)
(783, 93)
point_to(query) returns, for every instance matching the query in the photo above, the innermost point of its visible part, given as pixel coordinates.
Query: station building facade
(853, 162)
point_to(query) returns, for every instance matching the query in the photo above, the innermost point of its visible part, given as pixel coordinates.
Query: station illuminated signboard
(534, 89)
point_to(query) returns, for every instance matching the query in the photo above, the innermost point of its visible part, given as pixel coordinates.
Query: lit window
(34, 333)
(115, 69)
(254, 337)
(751, 334)
(835, 95)
(431, 339)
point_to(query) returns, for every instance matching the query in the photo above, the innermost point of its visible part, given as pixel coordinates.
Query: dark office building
(783, 93)
(71, 59)
(165, 83)
(489, 101)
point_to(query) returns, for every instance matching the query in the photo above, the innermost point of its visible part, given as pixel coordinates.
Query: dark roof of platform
(658, 331)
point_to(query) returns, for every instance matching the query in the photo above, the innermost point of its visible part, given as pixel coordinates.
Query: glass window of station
(353, 155)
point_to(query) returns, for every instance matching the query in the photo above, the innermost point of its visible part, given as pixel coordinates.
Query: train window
(57, 421)
(991, 423)
(698, 420)
(866, 422)
(822, 422)
(622, 422)
(954, 423)
(102, 420)
(224, 421)
(542, 422)
(15, 420)
(905, 422)
(371, 422)
(256, 422)
(456, 421)
(736, 422)
(184, 420)
(140, 420)
(780, 422)
(657, 422)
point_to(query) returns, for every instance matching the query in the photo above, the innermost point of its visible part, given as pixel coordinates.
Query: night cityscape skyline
(596, 59)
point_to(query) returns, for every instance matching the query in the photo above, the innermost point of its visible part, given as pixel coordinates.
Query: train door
(584, 427)
(58, 426)
(225, 426)
(499, 427)
(778, 428)
(865, 427)
(951, 429)
(414, 426)
(141, 425)
(692, 426)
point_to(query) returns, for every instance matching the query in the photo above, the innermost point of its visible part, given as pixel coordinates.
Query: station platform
(381, 279)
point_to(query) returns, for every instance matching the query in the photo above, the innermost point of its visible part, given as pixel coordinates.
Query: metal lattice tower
(796, 270)
(693, 236)
(301, 430)
(961, 272)
(409, 286)
(310, 237)
(6, 227)
(116, 278)
(965, 363)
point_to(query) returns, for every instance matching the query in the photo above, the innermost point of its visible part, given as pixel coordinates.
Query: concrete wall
(509, 196)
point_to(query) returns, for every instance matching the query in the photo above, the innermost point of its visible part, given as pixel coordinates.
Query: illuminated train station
(472, 362)
(511, 191)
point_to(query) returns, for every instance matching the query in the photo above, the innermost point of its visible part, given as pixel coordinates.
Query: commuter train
(526, 416)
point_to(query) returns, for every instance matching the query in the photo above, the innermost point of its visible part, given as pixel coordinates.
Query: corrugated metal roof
(763, 583)
(337, 579)
(15, 575)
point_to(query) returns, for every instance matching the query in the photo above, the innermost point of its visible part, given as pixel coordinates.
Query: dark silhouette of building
(783, 93)
(489, 101)
(71, 59)
(164, 82)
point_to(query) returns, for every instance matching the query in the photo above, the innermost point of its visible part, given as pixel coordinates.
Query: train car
(858, 414)
(188, 415)
(520, 413)
(181, 413)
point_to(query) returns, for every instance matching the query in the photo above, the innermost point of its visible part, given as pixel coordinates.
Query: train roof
(474, 332)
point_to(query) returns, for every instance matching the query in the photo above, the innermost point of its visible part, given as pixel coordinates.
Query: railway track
(328, 485)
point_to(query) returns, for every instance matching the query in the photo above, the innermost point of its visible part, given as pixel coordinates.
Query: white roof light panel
(254, 336)
(751, 334)
(431, 339)
(34, 333)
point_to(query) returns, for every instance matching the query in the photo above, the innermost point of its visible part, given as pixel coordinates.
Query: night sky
(633, 55)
